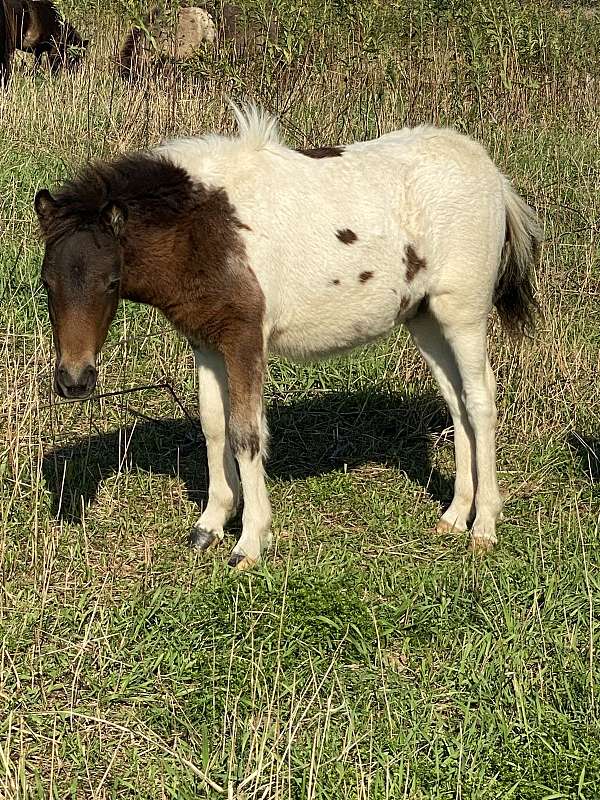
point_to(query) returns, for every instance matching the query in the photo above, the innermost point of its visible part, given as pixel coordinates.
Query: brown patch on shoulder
(208, 289)
(336, 281)
(346, 236)
(365, 276)
(414, 264)
(322, 152)
(218, 294)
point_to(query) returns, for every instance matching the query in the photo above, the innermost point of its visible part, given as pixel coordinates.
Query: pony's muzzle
(75, 382)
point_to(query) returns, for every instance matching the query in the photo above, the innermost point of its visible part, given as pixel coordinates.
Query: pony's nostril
(89, 377)
(64, 378)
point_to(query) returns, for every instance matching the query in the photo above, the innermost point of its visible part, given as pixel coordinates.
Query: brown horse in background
(7, 42)
(39, 28)
(36, 26)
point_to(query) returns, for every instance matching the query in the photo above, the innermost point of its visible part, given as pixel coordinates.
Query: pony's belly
(309, 323)
(311, 342)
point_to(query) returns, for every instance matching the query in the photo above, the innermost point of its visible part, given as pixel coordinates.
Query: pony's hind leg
(223, 483)
(427, 335)
(465, 332)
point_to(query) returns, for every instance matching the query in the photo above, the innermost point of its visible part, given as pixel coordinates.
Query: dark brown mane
(152, 188)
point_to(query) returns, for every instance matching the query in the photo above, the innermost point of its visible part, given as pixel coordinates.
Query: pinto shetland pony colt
(249, 247)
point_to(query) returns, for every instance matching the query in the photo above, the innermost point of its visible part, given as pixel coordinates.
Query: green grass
(367, 657)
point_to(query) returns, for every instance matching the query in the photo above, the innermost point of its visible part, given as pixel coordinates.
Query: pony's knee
(213, 425)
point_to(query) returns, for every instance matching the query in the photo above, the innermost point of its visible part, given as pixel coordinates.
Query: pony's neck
(188, 267)
(153, 266)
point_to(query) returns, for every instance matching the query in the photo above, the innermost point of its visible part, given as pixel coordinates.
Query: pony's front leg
(245, 360)
(223, 483)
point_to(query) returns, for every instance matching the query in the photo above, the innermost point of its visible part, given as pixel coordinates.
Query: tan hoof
(447, 527)
(480, 545)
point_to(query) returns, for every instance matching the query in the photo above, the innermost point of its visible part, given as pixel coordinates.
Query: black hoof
(235, 559)
(201, 539)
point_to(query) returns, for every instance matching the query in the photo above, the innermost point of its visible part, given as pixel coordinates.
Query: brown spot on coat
(336, 281)
(414, 264)
(322, 152)
(404, 303)
(346, 236)
(365, 276)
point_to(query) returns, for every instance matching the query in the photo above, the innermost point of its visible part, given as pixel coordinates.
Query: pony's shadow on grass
(309, 437)
(587, 452)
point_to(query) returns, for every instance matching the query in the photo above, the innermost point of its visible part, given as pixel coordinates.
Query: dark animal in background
(155, 41)
(7, 42)
(40, 29)
(132, 57)
(151, 43)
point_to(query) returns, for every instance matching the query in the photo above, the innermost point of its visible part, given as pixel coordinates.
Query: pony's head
(81, 273)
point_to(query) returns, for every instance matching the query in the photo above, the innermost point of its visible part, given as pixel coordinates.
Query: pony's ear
(114, 215)
(45, 206)
(44, 203)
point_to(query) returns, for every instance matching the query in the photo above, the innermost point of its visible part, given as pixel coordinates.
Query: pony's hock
(249, 247)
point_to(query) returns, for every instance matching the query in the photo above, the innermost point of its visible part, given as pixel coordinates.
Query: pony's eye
(114, 284)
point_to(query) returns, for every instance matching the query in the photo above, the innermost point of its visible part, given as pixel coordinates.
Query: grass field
(366, 657)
